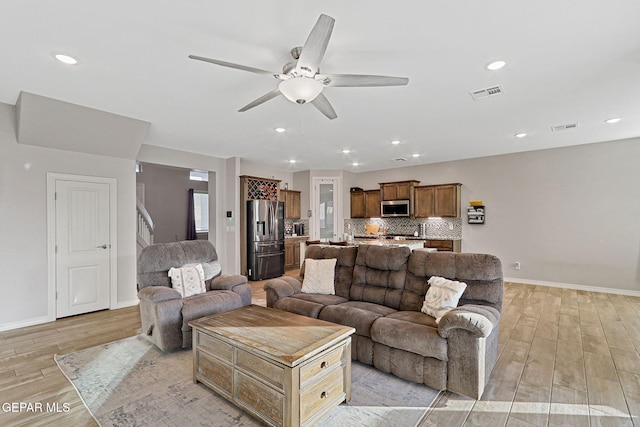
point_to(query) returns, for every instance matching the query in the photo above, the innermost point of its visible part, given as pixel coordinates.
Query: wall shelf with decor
(475, 212)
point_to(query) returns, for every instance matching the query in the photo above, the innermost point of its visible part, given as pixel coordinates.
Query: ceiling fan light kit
(301, 82)
(300, 89)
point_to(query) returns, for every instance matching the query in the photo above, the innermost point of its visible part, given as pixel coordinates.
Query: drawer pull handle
(324, 395)
(324, 365)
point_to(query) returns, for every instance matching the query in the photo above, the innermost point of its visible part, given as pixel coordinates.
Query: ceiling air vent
(564, 127)
(400, 159)
(486, 93)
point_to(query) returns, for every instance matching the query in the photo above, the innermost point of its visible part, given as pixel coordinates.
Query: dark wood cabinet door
(424, 202)
(447, 201)
(358, 207)
(372, 201)
(288, 255)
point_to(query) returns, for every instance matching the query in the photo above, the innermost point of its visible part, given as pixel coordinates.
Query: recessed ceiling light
(415, 155)
(520, 135)
(396, 142)
(355, 164)
(345, 151)
(279, 130)
(496, 65)
(70, 60)
(292, 161)
(613, 120)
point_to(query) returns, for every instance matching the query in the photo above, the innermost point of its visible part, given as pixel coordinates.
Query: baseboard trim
(24, 323)
(125, 304)
(626, 292)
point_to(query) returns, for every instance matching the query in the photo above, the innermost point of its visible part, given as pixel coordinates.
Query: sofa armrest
(479, 320)
(156, 294)
(227, 282)
(281, 287)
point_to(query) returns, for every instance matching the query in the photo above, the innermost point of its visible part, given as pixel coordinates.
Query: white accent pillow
(188, 280)
(443, 296)
(319, 275)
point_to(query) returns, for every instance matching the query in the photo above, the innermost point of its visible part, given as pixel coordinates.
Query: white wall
(569, 216)
(23, 218)
(252, 169)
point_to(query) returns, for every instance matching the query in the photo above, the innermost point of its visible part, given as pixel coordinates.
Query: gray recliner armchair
(165, 314)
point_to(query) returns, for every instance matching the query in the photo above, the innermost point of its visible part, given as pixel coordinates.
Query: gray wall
(166, 199)
(569, 215)
(23, 222)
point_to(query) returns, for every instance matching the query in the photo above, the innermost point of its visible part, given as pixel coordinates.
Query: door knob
(102, 246)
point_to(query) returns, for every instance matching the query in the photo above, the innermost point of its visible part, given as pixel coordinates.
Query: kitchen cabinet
(365, 204)
(292, 252)
(358, 205)
(444, 245)
(437, 201)
(291, 201)
(372, 204)
(401, 190)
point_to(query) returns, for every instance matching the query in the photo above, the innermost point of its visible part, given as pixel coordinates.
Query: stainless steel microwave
(391, 208)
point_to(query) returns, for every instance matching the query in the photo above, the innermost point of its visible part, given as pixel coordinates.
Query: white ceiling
(572, 61)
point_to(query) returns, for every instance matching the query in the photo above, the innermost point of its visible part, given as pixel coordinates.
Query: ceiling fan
(301, 81)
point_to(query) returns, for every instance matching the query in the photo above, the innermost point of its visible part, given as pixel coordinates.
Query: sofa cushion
(481, 272)
(155, 260)
(379, 274)
(319, 276)
(308, 305)
(299, 306)
(410, 331)
(213, 302)
(357, 314)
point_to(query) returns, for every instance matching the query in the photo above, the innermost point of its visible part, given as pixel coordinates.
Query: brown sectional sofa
(380, 290)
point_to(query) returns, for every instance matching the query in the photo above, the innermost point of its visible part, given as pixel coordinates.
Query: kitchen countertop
(403, 237)
(288, 236)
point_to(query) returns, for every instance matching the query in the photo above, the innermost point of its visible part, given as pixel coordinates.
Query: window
(198, 175)
(201, 211)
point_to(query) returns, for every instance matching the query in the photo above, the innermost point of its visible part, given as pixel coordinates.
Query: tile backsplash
(288, 226)
(437, 228)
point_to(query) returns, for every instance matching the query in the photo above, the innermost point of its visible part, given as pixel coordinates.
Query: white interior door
(83, 247)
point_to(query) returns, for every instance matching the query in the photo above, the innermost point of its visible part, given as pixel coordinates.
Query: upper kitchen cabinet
(372, 202)
(402, 190)
(291, 201)
(437, 201)
(365, 204)
(358, 205)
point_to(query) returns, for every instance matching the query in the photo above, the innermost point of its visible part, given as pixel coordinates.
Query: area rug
(132, 383)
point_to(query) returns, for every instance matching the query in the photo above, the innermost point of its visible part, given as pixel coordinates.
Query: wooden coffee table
(286, 369)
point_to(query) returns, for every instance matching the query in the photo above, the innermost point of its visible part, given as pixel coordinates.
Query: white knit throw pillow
(188, 280)
(443, 296)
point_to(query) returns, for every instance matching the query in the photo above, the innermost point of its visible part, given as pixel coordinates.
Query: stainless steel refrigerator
(265, 239)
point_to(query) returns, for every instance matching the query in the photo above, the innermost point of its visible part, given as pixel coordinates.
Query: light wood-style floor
(567, 358)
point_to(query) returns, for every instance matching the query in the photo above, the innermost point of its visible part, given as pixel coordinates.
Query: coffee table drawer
(215, 346)
(214, 371)
(271, 373)
(324, 393)
(259, 398)
(323, 364)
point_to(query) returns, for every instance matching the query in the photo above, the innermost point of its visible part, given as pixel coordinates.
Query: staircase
(144, 235)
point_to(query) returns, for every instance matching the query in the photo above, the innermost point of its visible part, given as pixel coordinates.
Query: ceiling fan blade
(322, 103)
(262, 99)
(360, 80)
(236, 66)
(315, 46)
